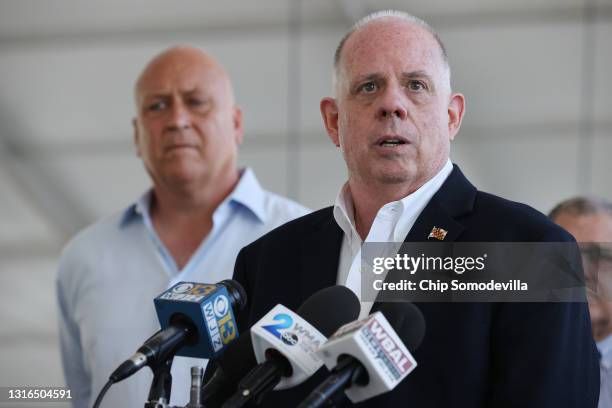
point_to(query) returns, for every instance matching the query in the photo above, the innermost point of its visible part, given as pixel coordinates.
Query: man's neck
(367, 201)
(369, 198)
(182, 217)
(193, 201)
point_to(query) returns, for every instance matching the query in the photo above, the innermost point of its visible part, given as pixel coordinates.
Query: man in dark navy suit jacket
(394, 116)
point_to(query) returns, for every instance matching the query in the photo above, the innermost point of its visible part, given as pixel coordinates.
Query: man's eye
(416, 86)
(156, 106)
(195, 102)
(369, 87)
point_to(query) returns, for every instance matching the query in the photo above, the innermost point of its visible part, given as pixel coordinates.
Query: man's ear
(238, 129)
(456, 109)
(329, 112)
(136, 137)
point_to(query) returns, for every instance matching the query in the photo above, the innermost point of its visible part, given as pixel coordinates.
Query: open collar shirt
(391, 224)
(111, 271)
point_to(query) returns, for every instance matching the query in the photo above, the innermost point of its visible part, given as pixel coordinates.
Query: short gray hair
(377, 15)
(582, 206)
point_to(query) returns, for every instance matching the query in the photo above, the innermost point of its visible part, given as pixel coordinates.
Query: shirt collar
(605, 349)
(344, 212)
(248, 193)
(140, 208)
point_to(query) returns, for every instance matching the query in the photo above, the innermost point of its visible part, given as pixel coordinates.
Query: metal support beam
(46, 191)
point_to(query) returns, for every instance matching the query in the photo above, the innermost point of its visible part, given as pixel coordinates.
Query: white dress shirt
(391, 224)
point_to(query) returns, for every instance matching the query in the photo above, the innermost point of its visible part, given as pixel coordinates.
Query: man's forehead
(184, 78)
(587, 228)
(180, 67)
(395, 41)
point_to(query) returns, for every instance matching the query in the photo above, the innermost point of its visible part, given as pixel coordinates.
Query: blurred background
(537, 75)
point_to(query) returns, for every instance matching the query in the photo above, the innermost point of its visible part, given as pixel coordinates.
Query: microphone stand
(159, 393)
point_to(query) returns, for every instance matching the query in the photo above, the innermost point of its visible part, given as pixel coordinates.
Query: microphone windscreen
(237, 292)
(330, 308)
(407, 321)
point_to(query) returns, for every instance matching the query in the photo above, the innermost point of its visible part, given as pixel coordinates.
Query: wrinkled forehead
(182, 73)
(391, 42)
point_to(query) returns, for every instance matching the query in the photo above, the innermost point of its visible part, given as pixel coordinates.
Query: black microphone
(197, 321)
(285, 342)
(369, 357)
(235, 363)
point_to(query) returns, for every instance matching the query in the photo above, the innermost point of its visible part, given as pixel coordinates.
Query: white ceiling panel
(269, 162)
(104, 184)
(317, 53)
(21, 220)
(517, 74)
(538, 169)
(64, 17)
(323, 172)
(32, 298)
(29, 349)
(602, 109)
(32, 362)
(601, 167)
(424, 8)
(59, 95)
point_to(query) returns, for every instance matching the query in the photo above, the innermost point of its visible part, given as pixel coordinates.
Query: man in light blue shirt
(589, 220)
(190, 226)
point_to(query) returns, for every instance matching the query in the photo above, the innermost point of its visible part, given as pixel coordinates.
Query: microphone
(197, 320)
(232, 365)
(368, 357)
(285, 342)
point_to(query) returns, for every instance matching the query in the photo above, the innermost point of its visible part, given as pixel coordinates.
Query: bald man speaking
(189, 226)
(393, 116)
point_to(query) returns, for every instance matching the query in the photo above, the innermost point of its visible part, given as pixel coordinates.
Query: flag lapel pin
(437, 233)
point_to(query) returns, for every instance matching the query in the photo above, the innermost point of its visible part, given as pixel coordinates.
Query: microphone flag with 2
(299, 340)
(285, 342)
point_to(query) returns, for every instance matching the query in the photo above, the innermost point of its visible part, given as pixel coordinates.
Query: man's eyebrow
(191, 91)
(417, 74)
(155, 96)
(368, 77)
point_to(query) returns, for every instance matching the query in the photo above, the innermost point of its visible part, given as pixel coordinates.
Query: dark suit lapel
(320, 254)
(434, 217)
(454, 198)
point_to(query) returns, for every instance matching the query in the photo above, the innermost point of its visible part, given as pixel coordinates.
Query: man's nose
(180, 117)
(393, 104)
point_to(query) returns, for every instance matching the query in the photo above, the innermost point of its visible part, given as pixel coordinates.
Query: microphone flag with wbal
(285, 342)
(370, 356)
(197, 320)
